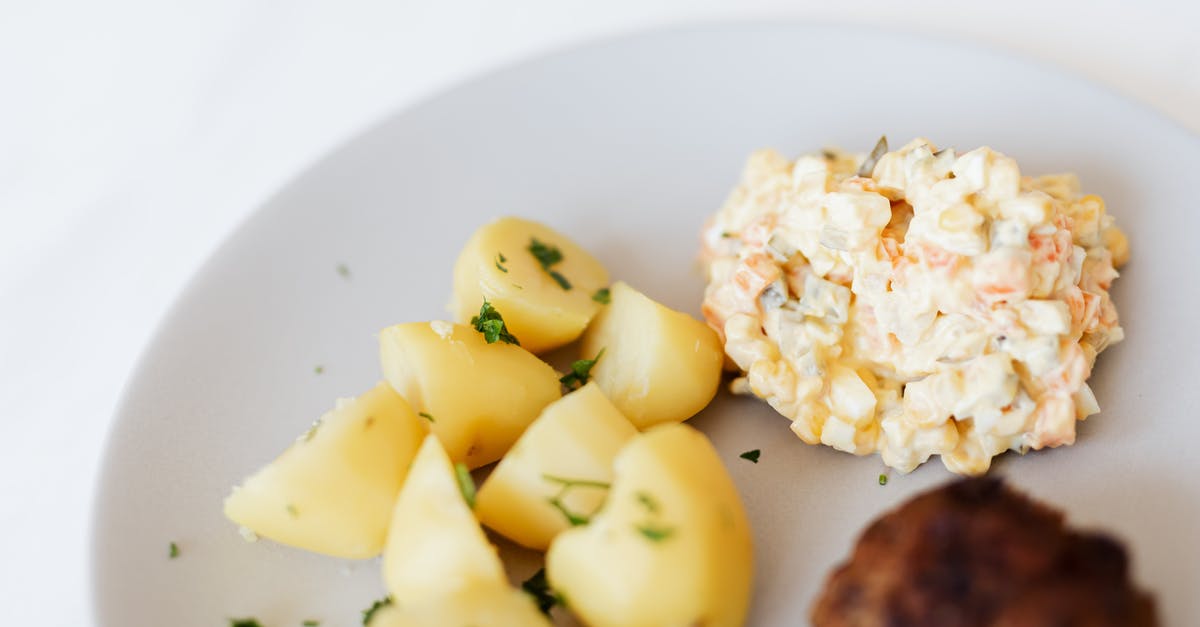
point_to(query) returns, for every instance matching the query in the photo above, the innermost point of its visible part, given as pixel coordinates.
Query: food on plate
(659, 365)
(544, 283)
(477, 396)
(975, 552)
(439, 567)
(919, 302)
(671, 545)
(557, 474)
(332, 491)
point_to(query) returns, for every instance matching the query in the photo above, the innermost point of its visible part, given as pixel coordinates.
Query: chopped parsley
(548, 255)
(244, 622)
(655, 534)
(538, 588)
(883, 479)
(311, 623)
(648, 502)
(426, 416)
(172, 551)
(751, 456)
(603, 296)
(555, 501)
(465, 483)
(292, 511)
(369, 613)
(490, 323)
(343, 270)
(319, 370)
(501, 259)
(581, 369)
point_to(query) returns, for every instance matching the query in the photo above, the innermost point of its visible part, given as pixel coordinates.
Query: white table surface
(135, 135)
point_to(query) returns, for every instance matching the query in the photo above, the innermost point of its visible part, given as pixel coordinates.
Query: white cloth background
(135, 135)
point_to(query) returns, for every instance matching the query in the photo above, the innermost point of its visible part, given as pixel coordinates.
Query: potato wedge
(435, 547)
(659, 365)
(332, 491)
(477, 397)
(565, 457)
(478, 605)
(672, 545)
(497, 265)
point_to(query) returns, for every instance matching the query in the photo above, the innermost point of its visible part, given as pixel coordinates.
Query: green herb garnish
(244, 622)
(648, 502)
(538, 588)
(751, 456)
(602, 296)
(426, 416)
(549, 255)
(292, 511)
(490, 323)
(343, 270)
(883, 479)
(172, 551)
(653, 533)
(369, 613)
(319, 370)
(500, 259)
(311, 623)
(573, 519)
(555, 501)
(581, 369)
(465, 483)
(572, 483)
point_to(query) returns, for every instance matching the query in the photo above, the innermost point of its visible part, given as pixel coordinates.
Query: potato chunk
(559, 469)
(477, 397)
(659, 365)
(476, 605)
(332, 491)
(435, 547)
(546, 297)
(671, 546)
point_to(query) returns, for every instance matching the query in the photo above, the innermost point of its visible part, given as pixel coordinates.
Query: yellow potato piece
(475, 606)
(435, 547)
(566, 455)
(332, 491)
(659, 365)
(477, 397)
(672, 545)
(536, 308)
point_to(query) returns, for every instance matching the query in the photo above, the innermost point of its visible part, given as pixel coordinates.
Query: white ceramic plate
(627, 146)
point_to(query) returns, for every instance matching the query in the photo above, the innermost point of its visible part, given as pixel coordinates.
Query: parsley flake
(490, 323)
(538, 588)
(311, 623)
(581, 370)
(602, 296)
(751, 456)
(244, 622)
(883, 479)
(426, 416)
(655, 534)
(548, 255)
(319, 370)
(292, 511)
(500, 259)
(465, 483)
(573, 519)
(343, 270)
(648, 502)
(172, 551)
(369, 613)
(555, 501)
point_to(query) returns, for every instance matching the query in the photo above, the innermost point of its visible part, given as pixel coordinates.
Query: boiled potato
(670, 547)
(332, 492)
(566, 457)
(435, 547)
(497, 266)
(478, 605)
(477, 397)
(659, 365)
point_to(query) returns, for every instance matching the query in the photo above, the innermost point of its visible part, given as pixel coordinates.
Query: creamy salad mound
(916, 302)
